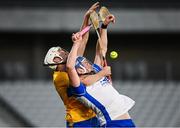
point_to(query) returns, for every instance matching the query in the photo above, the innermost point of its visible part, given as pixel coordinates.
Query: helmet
(52, 54)
(79, 64)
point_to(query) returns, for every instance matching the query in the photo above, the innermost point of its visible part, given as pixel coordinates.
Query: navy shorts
(91, 123)
(127, 123)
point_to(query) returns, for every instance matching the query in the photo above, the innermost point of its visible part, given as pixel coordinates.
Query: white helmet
(55, 52)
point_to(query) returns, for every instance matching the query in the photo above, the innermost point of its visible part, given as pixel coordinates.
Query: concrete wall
(70, 20)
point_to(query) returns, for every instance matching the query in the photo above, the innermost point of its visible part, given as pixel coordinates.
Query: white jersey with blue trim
(103, 98)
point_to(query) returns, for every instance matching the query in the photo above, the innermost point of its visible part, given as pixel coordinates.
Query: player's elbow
(104, 50)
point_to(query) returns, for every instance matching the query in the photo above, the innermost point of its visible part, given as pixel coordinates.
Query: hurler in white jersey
(101, 96)
(110, 107)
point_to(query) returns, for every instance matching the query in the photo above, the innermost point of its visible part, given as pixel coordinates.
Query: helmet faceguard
(83, 64)
(52, 55)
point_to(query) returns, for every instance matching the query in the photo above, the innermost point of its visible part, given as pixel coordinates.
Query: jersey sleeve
(79, 91)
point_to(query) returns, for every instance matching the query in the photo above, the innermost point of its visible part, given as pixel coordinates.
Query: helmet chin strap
(54, 67)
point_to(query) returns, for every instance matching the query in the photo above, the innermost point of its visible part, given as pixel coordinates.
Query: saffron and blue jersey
(76, 112)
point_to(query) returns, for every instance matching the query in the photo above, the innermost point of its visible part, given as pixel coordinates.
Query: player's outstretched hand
(77, 38)
(92, 8)
(110, 18)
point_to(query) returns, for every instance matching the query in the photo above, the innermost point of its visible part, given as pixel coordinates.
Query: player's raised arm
(101, 51)
(71, 60)
(85, 23)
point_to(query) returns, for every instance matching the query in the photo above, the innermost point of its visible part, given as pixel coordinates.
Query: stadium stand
(157, 103)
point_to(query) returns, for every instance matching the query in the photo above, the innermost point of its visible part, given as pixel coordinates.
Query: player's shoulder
(60, 78)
